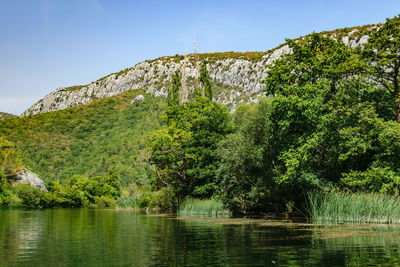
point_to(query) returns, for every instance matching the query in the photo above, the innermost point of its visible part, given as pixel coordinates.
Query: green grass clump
(74, 88)
(354, 208)
(203, 207)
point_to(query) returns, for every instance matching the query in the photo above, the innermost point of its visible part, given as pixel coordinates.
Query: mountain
(237, 76)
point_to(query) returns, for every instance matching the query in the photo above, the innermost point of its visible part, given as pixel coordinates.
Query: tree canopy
(383, 53)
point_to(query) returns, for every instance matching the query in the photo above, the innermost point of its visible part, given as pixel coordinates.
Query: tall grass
(203, 207)
(355, 208)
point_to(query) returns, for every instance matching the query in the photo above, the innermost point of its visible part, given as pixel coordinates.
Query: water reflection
(68, 237)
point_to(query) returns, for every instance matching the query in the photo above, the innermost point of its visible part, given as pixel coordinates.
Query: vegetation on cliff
(330, 125)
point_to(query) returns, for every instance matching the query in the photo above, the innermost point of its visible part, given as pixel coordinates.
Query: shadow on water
(107, 237)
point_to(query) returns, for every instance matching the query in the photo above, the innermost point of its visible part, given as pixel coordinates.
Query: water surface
(108, 237)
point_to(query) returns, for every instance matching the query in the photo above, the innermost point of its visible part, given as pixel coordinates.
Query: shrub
(32, 197)
(375, 179)
(104, 201)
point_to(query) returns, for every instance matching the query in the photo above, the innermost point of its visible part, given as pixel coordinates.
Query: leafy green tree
(184, 150)
(245, 174)
(173, 90)
(205, 81)
(312, 58)
(383, 53)
(112, 179)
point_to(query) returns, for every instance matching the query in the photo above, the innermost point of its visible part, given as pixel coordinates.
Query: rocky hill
(237, 76)
(4, 115)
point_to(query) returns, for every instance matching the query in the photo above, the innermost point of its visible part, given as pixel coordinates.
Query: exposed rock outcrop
(237, 76)
(137, 99)
(31, 178)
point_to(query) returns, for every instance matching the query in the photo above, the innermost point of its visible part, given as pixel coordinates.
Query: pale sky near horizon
(46, 44)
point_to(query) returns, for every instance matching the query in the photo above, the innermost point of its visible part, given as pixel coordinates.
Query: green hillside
(88, 139)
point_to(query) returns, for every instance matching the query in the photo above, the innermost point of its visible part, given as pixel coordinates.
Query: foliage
(77, 191)
(383, 53)
(203, 207)
(205, 81)
(312, 59)
(212, 57)
(322, 129)
(374, 179)
(104, 201)
(145, 197)
(10, 160)
(173, 90)
(74, 88)
(244, 175)
(88, 139)
(32, 197)
(355, 208)
(184, 150)
(7, 194)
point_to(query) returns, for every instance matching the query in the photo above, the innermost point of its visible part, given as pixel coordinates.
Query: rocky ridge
(4, 115)
(237, 76)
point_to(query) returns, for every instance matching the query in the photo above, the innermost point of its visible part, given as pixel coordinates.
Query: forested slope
(88, 139)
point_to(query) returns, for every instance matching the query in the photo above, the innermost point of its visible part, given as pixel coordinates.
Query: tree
(173, 90)
(326, 127)
(312, 59)
(245, 174)
(112, 179)
(184, 150)
(206, 82)
(383, 53)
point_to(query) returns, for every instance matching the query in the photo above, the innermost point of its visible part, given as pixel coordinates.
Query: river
(112, 237)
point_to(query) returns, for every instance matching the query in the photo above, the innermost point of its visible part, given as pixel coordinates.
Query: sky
(46, 44)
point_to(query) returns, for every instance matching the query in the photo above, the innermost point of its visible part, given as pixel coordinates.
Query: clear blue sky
(45, 44)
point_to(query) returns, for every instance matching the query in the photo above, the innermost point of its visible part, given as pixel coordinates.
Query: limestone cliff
(237, 76)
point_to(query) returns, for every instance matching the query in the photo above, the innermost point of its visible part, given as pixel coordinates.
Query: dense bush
(77, 191)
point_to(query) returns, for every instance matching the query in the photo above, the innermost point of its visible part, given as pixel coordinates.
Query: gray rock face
(240, 79)
(31, 178)
(137, 99)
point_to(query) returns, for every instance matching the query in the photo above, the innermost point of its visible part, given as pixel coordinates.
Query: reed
(353, 207)
(203, 207)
